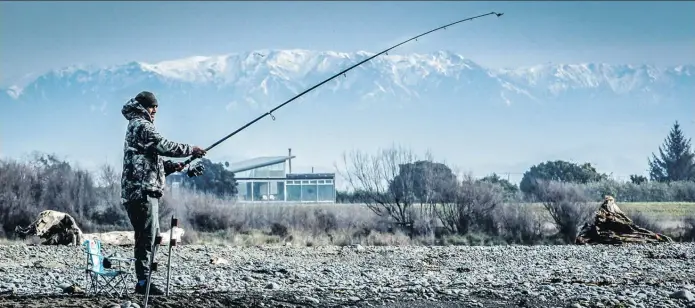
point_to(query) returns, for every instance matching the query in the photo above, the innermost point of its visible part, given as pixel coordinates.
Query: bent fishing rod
(270, 113)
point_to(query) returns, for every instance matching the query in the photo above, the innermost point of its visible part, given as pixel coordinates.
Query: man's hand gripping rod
(270, 113)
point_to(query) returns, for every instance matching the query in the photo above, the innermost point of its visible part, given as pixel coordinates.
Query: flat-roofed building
(270, 179)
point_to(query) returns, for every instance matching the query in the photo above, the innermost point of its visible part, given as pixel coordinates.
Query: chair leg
(93, 283)
(115, 285)
(99, 284)
(126, 278)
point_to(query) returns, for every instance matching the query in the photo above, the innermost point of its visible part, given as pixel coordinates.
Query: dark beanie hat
(146, 99)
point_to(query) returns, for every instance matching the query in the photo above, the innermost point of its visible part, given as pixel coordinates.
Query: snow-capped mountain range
(495, 120)
(255, 76)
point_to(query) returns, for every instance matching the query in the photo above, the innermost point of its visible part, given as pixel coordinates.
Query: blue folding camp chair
(108, 279)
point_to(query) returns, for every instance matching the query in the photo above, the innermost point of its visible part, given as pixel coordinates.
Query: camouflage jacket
(144, 170)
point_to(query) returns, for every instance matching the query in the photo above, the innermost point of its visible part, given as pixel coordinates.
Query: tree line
(671, 176)
(397, 184)
(45, 182)
(414, 194)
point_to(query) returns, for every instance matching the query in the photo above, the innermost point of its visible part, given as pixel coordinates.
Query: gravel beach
(454, 276)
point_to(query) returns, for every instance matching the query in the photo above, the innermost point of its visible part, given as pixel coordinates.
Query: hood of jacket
(133, 110)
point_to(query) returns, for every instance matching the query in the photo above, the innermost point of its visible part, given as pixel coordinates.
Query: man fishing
(143, 178)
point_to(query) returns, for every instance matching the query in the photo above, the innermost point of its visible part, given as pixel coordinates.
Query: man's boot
(141, 288)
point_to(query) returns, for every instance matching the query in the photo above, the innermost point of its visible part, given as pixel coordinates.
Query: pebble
(683, 294)
(129, 304)
(311, 299)
(272, 286)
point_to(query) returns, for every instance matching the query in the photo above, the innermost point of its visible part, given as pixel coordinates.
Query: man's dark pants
(144, 216)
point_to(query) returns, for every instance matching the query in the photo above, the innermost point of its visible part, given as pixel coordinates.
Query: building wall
(290, 190)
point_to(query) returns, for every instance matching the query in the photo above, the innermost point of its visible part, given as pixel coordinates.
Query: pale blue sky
(39, 36)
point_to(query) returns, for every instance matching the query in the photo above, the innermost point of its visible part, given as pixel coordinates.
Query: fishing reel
(195, 169)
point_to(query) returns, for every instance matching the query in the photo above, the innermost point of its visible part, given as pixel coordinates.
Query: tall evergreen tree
(676, 161)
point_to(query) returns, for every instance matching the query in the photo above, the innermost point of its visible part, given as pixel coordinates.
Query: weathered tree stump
(612, 226)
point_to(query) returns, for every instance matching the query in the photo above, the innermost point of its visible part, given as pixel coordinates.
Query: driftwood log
(58, 228)
(54, 228)
(612, 226)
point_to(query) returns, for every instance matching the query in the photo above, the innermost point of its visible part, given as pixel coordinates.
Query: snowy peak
(618, 78)
(193, 69)
(288, 64)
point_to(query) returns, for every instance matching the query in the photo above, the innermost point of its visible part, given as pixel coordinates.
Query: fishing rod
(270, 113)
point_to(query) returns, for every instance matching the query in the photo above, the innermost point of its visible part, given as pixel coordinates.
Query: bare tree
(17, 205)
(386, 188)
(44, 183)
(469, 203)
(567, 205)
(109, 177)
(110, 212)
(520, 223)
(110, 182)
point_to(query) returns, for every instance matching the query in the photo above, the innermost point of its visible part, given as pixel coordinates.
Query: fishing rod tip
(498, 14)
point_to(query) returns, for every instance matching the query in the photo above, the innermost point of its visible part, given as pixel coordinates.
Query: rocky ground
(655, 275)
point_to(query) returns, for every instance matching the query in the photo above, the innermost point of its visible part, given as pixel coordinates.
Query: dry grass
(251, 224)
(663, 210)
(660, 211)
(248, 224)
